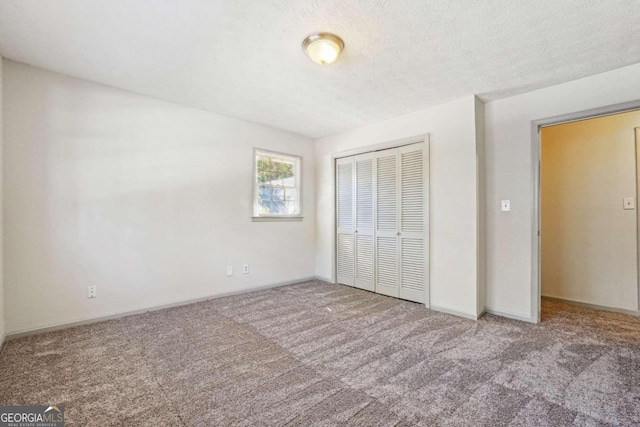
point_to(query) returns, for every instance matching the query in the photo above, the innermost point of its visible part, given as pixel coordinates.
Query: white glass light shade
(323, 48)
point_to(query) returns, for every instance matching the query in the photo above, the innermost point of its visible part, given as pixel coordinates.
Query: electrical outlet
(92, 292)
(505, 205)
(245, 269)
(629, 203)
(230, 270)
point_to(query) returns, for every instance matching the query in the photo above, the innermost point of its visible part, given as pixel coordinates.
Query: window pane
(278, 207)
(290, 208)
(289, 181)
(291, 194)
(265, 169)
(275, 170)
(264, 192)
(265, 206)
(278, 194)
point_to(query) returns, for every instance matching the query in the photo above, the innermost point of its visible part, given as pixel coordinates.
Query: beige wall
(589, 250)
(148, 200)
(456, 276)
(511, 246)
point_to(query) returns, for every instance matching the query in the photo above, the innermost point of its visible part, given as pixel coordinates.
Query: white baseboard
(4, 336)
(325, 279)
(509, 315)
(59, 326)
(594, 306)
(456, 312)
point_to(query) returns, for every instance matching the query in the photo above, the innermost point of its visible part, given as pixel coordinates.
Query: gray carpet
(322, 354)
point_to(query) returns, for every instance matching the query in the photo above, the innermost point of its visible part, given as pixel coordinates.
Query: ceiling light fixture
(323, 48)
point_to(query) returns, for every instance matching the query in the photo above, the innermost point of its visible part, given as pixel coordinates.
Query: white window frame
(298, 185)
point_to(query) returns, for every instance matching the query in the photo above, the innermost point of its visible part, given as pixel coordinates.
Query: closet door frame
(377, 147)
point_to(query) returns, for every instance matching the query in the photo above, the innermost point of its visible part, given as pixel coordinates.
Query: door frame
(637, 146)
(536, 146)
(420, 138)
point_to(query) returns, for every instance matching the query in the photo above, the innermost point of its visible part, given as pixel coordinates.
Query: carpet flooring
(321, 354)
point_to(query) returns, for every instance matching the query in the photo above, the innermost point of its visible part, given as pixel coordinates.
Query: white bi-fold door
(355, 217)
(345, 221)
(382, 215)
(413, 223)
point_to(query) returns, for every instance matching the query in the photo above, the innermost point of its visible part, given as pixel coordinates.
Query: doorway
(587, 213)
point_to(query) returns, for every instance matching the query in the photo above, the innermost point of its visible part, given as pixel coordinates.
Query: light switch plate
(92, 292)
(505, 205)
(629, 203)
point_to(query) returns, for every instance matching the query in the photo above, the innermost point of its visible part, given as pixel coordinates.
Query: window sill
(277, 218)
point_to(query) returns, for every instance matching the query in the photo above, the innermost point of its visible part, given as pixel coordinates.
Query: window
(276, 185)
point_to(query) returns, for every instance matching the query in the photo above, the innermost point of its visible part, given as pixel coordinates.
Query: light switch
(629, 203)
(505, 205)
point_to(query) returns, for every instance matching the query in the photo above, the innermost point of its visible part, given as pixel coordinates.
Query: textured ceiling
(242, 58)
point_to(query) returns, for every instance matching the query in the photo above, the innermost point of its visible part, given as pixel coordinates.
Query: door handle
(398, 233)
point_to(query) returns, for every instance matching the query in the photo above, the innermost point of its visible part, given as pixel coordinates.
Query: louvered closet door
(364, 243)
(345, 216)
(413, 223)
(387, 222)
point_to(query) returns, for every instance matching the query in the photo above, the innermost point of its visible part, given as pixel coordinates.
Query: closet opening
(382, 219)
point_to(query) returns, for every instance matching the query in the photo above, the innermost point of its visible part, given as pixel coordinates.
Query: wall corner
(481, 205)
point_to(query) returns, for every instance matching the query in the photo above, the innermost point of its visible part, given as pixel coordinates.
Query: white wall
(510, 175)
(454, 196)
(589, 240)
(146, 199)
